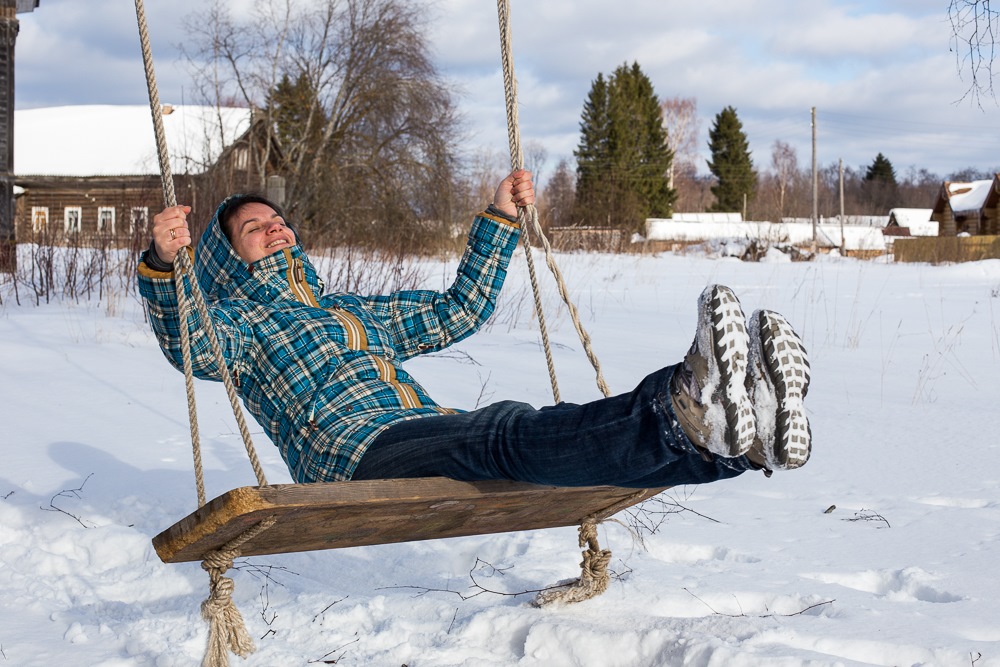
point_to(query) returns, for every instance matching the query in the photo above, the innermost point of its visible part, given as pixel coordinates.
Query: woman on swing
(323, 373)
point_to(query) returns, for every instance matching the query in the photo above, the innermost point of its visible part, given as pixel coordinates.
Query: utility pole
(843, 242)
(815, 216)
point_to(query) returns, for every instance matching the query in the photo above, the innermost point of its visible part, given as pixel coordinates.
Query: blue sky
(881, 74)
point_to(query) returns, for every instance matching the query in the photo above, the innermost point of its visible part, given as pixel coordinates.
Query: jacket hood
(222, 274)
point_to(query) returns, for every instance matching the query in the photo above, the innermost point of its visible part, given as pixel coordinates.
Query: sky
(881, 550)
(882, 75)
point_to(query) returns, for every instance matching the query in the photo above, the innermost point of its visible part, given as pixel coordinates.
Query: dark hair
(234, 203)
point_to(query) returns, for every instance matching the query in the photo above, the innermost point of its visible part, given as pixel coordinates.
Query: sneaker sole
(730, 348)
(785, 363)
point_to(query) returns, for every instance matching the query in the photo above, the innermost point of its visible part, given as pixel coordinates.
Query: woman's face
(257, 231)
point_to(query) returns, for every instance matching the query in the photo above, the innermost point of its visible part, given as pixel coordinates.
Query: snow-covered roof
(707, 217)
(965, 197)
(855, 220)
(105, 140)
(904, 217)
(857, 237)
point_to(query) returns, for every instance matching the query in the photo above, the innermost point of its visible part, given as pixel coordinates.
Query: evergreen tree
(297, 115)
(623, 159)
(881, 170)
(879, 191)
(731, 163)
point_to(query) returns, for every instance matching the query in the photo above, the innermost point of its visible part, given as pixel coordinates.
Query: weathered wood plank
(343, 514)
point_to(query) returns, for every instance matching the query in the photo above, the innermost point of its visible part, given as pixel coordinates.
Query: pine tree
(731, 163)
(623, 159)
(881, 170)
(879, 190)
(296, 112)
(592, 153)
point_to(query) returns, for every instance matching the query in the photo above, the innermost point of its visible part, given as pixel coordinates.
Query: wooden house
(968, 208)
(9, 28)
(911, 222)
(89, 175)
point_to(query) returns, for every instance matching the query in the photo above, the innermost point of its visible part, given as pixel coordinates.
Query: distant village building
(707, 217)
(9, 27)
(859, 235)
(860, 240)
(90, 174)
(878, 221)
(911, 222)
(968, 208)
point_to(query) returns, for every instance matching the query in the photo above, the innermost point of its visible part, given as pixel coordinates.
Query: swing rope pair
(227, 631)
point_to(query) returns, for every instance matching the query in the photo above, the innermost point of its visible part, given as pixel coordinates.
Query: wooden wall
(87, 197)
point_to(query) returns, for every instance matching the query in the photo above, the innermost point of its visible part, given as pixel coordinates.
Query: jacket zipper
(297, 281)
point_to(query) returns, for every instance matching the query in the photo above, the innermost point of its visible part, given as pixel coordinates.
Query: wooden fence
(941, 249)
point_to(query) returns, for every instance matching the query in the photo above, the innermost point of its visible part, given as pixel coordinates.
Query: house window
(106, 219)
(39, 218)
(73, 219)
(138, 219)
(241, 158)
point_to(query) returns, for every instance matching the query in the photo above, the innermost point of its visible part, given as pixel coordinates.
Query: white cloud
(884, 66)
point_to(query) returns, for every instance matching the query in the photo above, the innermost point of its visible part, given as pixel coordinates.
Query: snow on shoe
(780, 377)
(718, 359)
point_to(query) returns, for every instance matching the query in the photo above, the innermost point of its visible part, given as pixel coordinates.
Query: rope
(594, 577)
(226, 630)
(531, 213)
(183, 268)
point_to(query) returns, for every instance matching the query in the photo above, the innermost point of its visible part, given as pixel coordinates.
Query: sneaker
(710, 394)
(778, 381)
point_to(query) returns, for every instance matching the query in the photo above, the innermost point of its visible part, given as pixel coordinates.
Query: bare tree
(535, 157)
(785, 163)
(680, 118)
(975, 26)
(556, 200)
(484, 170)
(363, 126)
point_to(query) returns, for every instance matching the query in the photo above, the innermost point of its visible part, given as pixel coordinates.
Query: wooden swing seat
(332, 515)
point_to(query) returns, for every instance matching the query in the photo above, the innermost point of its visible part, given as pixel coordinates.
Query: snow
(828, 234)
(901, 569)
(966, 197)
(925, 228)
(707, 217)
(118, 140)
(910, 217)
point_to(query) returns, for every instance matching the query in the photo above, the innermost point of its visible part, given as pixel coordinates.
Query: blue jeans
(630, 440)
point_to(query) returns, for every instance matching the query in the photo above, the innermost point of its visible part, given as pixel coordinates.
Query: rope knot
(216, 563)
(594, 578)
(595, 566)
(227, 632)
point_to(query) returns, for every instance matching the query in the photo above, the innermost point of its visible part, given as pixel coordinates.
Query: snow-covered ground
(881, 551)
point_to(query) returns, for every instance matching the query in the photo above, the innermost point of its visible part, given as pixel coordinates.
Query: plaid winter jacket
(323, 374)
